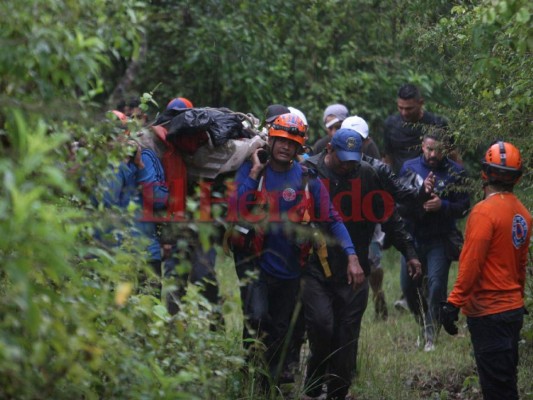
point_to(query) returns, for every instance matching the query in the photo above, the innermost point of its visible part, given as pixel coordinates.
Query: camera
(263, 156)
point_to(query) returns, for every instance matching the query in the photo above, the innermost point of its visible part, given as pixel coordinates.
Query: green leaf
(523, 15)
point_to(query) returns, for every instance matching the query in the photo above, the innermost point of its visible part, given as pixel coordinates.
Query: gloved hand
(448, 315)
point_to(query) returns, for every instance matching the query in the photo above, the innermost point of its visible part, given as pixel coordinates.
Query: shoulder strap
(306, 218)
(262, 194)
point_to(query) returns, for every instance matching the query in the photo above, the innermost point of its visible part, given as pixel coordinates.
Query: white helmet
(299, 114)
(357, 124)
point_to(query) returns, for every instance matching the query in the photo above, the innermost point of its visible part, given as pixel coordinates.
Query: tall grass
(391, 361)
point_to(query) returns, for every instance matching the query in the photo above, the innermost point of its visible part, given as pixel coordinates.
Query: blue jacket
(126, 186)
(451, 188)
(281, 254)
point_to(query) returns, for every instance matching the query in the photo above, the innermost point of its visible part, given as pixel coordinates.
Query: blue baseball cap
(347, 144)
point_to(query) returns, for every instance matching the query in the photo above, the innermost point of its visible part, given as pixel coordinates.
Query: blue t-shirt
(285, 190)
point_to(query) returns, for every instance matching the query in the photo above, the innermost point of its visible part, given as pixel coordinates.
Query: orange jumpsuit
(492, 265)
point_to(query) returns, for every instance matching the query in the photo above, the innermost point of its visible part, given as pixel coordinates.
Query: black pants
(495, 340)
(269, 305)
(333, 313)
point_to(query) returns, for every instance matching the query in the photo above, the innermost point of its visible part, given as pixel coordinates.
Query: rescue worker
(492, 273)
(277, 196)
(139, 175)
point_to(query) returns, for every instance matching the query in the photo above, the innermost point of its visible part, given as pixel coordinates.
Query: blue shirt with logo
(285, 190)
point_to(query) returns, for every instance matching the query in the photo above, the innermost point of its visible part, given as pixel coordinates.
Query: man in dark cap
(275, 110)
(333, 309)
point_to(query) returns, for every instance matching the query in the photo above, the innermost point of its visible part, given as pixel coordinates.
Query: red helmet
(178, 103)
(288, 126)
(502, 164)
(121, 116)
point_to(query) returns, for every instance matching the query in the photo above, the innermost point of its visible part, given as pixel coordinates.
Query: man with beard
(333, 309)
(432, 224)
(403, 132)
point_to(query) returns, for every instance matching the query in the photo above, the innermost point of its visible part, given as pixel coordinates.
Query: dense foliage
(72, 322)
(485, 53)
(306, 54)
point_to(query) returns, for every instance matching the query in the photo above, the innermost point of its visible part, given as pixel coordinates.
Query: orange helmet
(123, 118)
(502, 164)
(288, 126)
